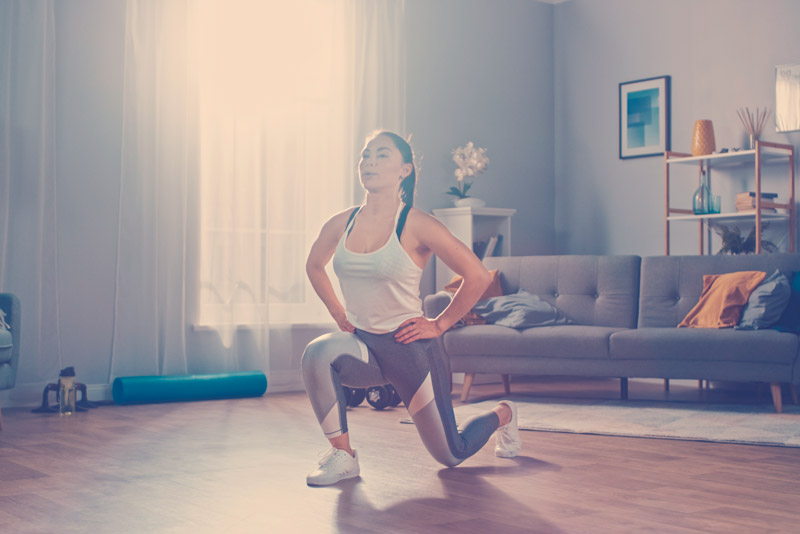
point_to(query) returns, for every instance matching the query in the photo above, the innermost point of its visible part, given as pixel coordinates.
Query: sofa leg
(623, 388)
(794, 392)
(777, 399)
(507, 384)
(468, 378)
(666, 385)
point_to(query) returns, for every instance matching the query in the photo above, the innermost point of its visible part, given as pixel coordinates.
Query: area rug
(723, 423)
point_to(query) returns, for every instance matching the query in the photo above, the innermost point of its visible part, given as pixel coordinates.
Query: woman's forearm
(472, 288)
(322, 285)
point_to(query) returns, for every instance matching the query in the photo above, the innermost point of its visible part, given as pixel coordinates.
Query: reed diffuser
(753, 122)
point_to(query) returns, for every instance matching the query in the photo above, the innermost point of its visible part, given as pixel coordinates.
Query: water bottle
(66, 391)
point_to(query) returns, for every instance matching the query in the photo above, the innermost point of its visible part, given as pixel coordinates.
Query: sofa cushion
(6, 345)
(703, 344)
(723, 298)
(671, 285)
(766, 303)
(563, 341)
(588, 290)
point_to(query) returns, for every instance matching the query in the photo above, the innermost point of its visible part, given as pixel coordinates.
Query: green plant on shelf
(734, 243)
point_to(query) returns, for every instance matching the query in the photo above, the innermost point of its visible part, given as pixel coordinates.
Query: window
(275, 139)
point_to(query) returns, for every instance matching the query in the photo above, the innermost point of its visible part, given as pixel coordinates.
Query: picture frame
(787, 98)
(644, 117)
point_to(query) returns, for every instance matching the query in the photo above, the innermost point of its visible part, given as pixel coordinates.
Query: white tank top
(381, 288)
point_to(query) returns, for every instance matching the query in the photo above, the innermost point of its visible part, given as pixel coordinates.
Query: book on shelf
(746, 194)
(753, 209)
(490, 247)
(479, 248)
(498, 246)
(746, 201)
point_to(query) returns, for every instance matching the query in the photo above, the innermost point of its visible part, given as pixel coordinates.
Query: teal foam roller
(175, 388)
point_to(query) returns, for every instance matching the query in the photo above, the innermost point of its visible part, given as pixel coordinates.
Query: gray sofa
(624, 311)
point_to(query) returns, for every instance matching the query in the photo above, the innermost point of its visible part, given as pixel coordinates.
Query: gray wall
(482, 71)
(721, 55)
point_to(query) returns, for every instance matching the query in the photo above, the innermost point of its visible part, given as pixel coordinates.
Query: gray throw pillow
(766, 303)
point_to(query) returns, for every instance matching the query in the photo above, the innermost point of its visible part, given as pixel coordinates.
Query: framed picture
(787, 98)
(644, 117)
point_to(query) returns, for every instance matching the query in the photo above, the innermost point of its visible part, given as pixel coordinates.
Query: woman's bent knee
(326, 348)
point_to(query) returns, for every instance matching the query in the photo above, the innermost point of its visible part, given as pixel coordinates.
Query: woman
(379, 250)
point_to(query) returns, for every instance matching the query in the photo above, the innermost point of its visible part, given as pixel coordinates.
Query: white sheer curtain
(28, 184)
(158, 167)
(242, 126)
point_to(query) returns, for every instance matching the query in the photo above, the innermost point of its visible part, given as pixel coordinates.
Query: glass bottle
(702, 197)
(66, 391)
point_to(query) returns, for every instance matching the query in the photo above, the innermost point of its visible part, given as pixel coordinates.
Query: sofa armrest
(9, 303)
(435, 304)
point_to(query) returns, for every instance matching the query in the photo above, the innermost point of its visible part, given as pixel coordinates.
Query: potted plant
(470, 162)
(734, 243)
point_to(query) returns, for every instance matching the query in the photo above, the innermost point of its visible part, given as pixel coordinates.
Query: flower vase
(470, 202)
(702, 197)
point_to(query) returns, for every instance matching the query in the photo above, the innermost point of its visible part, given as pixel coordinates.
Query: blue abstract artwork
(644, 117)
(643, 125)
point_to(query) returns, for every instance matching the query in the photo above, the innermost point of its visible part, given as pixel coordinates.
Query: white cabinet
(473, 225)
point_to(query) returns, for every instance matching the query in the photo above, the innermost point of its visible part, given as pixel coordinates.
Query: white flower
(470, 162)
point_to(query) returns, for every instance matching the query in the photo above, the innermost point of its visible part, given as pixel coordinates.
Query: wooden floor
(239, 466)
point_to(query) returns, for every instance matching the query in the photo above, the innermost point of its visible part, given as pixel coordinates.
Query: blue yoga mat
(173, 388)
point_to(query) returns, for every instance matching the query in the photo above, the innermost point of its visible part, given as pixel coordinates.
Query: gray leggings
(417, 372)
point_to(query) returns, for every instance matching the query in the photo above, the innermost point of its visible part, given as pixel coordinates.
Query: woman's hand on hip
(342, 322)
(418, 328)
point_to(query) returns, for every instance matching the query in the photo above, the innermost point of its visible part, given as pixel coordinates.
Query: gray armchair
(9, 343)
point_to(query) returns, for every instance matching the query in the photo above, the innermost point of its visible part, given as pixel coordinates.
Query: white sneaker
(507, 442)
(334, 465)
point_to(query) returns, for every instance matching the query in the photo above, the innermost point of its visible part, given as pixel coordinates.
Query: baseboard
(480, 378)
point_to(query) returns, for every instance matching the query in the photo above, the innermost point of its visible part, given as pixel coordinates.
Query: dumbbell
(354, 396)
(379, 397)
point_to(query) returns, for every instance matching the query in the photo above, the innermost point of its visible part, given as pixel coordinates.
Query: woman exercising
(379, 250)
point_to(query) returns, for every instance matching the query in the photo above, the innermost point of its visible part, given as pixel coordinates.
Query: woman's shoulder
(421, 218)
(336, 224)
(423, 223)
(343, 215)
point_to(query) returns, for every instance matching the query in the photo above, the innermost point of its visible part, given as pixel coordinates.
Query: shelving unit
(470, 224)
(763, 152)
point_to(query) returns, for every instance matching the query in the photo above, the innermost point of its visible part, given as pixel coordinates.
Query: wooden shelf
(738, 157)
(764, 152)
(730, 216)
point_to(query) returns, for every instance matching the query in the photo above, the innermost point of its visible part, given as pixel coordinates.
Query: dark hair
(409, 182)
